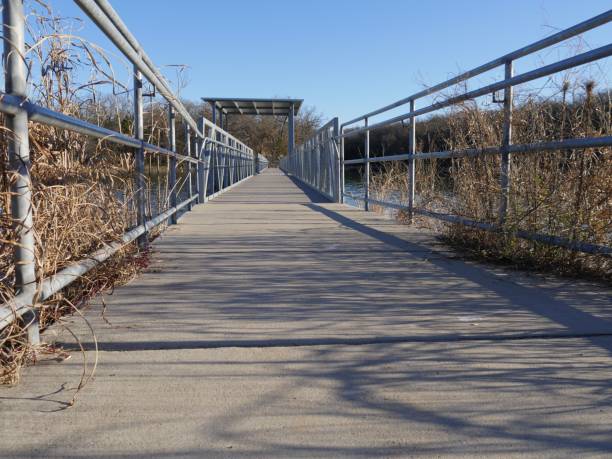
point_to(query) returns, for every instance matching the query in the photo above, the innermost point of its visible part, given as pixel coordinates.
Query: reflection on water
(357, 188)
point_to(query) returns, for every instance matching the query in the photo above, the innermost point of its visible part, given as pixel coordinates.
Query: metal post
(196, 155)
(214, 113)
(215, 169)
(291, 131)
(319, 171)
(15, 84)
(201, 154)
(172, 146)
(411, 164)
(139, 171)
(221, 167)
(367, 167)
(188, 164)
(227, 172)
(228, 165)
(342, 177)
(504, 177)
(232, 163)
(335, 151)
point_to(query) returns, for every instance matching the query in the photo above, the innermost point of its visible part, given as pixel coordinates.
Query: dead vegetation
(82, 188)
(563, 193)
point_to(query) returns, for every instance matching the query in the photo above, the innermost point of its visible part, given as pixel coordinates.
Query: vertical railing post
(196, 155)
(211, 168)
(220, 169)
(319, 171)
(312, 162)
(221, 166)
(229, 166)
(232, 177)
(15, 83)
(139, 171)
(336, 152)
(504, 177)
(331, 165)
(188, 163)
(411, 165)
(172, 146)
(367, 166)
(201, 154)
(342, 174)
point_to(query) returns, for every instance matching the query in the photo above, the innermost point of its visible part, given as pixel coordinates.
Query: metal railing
(214, 157)
(300, 165)
(316, 162)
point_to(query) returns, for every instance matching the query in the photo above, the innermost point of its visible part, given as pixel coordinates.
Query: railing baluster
(336, 153)
(139, 170)
(172, 147)
(19, 159)
(188, 164)
(411, 165)
(367, 167)
(504, 177)
(342, 172)
(201, 153)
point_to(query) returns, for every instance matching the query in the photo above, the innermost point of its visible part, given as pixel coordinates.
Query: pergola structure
(225, 106)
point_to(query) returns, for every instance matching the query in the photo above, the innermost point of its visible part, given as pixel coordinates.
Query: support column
(19, 159)
(291, 129)
(214, 113)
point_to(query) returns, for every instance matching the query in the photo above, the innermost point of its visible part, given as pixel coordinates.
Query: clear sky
(344, 57)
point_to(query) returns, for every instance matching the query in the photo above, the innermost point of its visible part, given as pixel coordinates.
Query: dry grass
(83, 189)
(563, 193)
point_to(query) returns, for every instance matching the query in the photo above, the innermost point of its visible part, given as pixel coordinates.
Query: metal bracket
(150, 94)
(496, 100)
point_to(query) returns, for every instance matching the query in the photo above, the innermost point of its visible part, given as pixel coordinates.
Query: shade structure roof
(244, 106)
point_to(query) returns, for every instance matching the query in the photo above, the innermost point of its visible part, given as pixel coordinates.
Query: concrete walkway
(275, 324)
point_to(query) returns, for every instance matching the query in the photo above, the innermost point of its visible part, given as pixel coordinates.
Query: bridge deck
(273, 324)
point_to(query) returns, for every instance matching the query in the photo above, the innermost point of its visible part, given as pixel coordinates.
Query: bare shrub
(82, 188)
(562, 193)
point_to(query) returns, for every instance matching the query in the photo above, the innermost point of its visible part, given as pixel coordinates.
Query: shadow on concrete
(576, 321)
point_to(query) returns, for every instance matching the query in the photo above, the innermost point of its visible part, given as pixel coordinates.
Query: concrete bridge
(274, 323)
(277, 321)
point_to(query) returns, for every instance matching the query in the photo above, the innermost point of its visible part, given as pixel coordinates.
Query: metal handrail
(558, 37)
(231, 156)
(580, 59)
(310, 161)
(505, 149)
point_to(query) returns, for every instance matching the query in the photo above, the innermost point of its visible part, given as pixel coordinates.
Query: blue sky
(343, 57)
